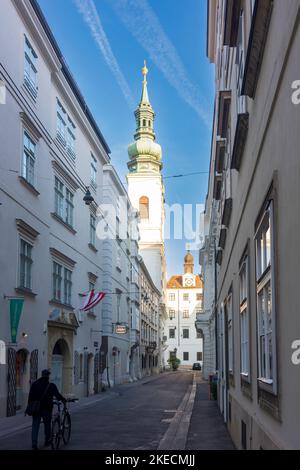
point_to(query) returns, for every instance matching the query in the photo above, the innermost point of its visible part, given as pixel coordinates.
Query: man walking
(43, 391)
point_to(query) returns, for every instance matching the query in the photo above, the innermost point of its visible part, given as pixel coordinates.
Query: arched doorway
(22, 378)
(59, 363)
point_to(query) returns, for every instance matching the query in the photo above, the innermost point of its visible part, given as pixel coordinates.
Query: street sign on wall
(120, 329)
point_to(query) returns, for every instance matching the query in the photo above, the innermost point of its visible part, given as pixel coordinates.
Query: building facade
(120, 307)
(51, 151)
(184, 302)
(150, 299)
(252, 199)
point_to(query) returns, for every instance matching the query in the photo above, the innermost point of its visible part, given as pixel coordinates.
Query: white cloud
(143, 24)
(91, 17)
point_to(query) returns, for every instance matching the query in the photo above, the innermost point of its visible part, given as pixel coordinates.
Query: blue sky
(171, 36)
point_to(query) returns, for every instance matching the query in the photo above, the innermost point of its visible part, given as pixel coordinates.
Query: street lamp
(88, 198)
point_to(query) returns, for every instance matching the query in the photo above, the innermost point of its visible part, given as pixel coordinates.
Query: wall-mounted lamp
(88, 198)
(24, 335)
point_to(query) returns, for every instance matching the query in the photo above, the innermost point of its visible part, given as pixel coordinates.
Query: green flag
(16, 306)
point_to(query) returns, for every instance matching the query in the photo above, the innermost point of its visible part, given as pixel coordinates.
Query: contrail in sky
(91, 17)
(143, 24)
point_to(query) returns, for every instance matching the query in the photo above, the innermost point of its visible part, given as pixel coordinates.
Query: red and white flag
(91, 300)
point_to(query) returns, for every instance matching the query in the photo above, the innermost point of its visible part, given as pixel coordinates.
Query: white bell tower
(146, 189)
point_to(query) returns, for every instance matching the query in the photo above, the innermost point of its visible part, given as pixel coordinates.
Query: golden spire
(145, 70)
(145, 98)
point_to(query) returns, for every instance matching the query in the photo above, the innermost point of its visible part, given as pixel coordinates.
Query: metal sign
(120, 329)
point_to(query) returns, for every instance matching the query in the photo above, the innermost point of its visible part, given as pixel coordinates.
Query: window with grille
(185, 356)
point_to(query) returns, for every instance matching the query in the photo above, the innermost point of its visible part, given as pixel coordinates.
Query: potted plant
(174, 363)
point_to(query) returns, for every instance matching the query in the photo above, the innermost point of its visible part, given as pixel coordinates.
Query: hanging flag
(15, 308)
(91, 300)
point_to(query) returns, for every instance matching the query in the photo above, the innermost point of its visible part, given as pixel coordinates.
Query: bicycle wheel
(55, 434)
(66, 428)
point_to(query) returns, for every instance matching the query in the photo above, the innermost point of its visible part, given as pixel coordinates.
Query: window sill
(29, 185)
(60, 220)
(93, 248)
(267, 385)
(25, 291)
(245, 378)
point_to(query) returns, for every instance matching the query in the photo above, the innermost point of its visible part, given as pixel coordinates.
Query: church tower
(146, 189)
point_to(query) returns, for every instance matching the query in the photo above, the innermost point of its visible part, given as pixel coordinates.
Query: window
(199, 334)
(172, 297)
(71, 138)
(25, 265)
(30, 70)
(185, 356)
(67, 286)
(186, 314)
(244, 317)
(92, 229)
(64, 206)
(229, 332)
(61, 274)
(198, 297)
(93, 171)
(28, 158)
(172, 314)
(59, 198)
(144, 207)
(61, 123)
(186, 333)
(69, 208)
(199, 356)
(57, 279)
(186, 297)
(265, 297)
(65, 130)
(172, 333)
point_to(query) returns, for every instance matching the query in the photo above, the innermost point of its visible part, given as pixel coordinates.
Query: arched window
(144, 123)
(144, 207)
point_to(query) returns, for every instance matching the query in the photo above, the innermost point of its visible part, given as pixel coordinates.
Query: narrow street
(171, 411)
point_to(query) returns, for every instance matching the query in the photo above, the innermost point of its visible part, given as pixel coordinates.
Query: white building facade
(253, 198)
(51, 151)
(184, 302)
(120, 307)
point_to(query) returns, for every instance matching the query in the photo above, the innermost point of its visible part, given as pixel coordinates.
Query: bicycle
(61, 424)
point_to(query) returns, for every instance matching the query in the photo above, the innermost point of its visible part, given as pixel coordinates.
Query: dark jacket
(37, 392)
